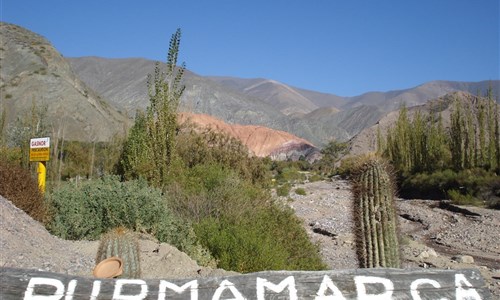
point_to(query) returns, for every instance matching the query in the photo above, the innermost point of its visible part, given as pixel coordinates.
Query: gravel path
(326, 211)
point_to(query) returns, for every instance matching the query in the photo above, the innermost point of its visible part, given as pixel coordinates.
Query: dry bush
(18, 186)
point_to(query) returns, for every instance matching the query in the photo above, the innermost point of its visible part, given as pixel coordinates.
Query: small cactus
(122, 243)
(375, 215)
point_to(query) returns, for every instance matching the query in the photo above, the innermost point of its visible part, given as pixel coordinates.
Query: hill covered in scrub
(34, 75)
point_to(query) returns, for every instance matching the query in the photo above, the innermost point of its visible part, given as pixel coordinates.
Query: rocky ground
(432, 237)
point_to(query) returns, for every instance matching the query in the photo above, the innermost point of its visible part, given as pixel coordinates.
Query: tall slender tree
(456, 135)
(492, 117)
(497, 137)
(150, 148)
(481, 150)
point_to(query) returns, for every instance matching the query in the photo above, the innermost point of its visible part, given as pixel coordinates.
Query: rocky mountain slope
(261, 141)
(289, 100)
(33, 72)
(124, 83)
(316, 117)
(392, 100)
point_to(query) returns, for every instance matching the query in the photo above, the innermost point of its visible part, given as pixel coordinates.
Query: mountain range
(314, 116)
(96, 96)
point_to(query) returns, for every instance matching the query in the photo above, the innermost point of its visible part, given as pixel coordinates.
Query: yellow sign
(39, 154)
(40, 149)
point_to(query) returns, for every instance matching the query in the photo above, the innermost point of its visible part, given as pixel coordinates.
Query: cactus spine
(124, 244)
(375, 216)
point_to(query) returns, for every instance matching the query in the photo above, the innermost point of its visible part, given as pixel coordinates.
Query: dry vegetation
(22, 189)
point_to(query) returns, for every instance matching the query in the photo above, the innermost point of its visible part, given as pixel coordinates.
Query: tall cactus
(124, 244)
(375, 215)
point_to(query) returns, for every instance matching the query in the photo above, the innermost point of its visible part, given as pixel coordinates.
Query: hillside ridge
(34, 73)
(260, 140)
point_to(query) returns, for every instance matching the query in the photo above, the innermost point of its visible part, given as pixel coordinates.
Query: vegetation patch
(91, 208)
(461, 162)
(18, 186)
(300, 191)
(268, 239)
(283, 190)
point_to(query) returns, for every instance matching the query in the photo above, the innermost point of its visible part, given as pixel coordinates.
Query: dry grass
(18, 186)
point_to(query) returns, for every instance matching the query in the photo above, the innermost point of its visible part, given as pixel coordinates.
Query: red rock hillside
(261, 141)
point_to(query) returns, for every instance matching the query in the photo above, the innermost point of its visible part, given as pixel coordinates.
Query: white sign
(40, 149)
(40, 143)
(463, 289)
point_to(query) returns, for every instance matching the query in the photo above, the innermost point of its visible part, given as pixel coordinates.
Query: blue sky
(340, 47)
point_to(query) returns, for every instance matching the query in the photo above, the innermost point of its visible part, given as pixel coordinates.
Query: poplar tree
(456, 137)
(399, 143)
(137, 159)
(418, 143)
(381, 145)
(481, 150)
(492, 139)
(469, 137)
(497, 138)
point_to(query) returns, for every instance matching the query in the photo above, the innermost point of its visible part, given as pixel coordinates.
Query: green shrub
(283, 190)
(300, 191)
(315, 177)
(92, 208)
(474, 186)
(460, 199)
(290, 174)
(210, 147)
(268, 239)
(10, 155)
(238, 222)
(429, 186)
(348, 165)
(210, 190)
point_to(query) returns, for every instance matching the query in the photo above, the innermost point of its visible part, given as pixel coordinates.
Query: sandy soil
(432, 237)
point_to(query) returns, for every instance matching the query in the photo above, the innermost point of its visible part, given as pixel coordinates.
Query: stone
(432, 252)
(427, 253)
(465, 259)
(423, 255)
